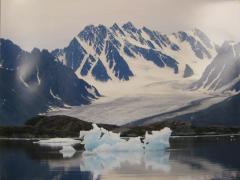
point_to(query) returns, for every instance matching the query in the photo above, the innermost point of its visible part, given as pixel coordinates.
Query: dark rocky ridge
(188, 72)
(53, 126)
(31, 83)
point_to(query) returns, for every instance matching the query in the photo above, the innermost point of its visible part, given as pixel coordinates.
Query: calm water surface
(187, 159)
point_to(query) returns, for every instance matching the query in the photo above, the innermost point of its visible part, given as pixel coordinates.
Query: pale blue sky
(53, 23)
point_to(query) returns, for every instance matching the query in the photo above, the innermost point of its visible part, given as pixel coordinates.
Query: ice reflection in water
(194, 159)
(102, 163)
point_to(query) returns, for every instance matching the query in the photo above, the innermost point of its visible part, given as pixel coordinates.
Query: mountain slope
(225, 113)
(224, 71)
(115, 51)
(31, 83)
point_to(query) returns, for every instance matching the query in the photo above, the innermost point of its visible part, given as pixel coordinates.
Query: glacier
(126, 102)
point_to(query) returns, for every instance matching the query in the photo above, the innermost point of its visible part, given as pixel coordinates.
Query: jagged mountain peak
(115, 26)
(117, 45)
(91, 31)
(117, 29)
(230, 47)
(129, 27)
(229, 44)
(203, 37)
(35, 51)
(9, 52)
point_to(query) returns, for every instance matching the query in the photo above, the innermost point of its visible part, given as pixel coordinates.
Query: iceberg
(100, 140)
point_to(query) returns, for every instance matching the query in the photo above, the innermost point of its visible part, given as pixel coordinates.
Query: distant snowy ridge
(102, 54)
(223, 73)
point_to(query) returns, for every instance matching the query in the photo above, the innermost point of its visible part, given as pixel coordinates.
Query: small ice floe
(99, 139)
(65, 143)
(67, 151)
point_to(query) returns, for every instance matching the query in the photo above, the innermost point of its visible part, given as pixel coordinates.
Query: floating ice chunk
(67, 151)
(58, 142)
(158, 140)
(65, 143)
(99, 139)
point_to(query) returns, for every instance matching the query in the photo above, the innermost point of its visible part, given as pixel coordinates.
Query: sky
(51, 24)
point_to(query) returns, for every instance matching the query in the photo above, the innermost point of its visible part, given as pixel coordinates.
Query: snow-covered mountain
(31, 83)
(123, 52)
(224, 71)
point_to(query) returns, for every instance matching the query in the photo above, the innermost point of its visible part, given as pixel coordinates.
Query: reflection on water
(187, 159)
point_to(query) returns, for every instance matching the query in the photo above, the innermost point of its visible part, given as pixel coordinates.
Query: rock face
(188, 72)
(224, 71)
(104, 54)
(32, 83)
